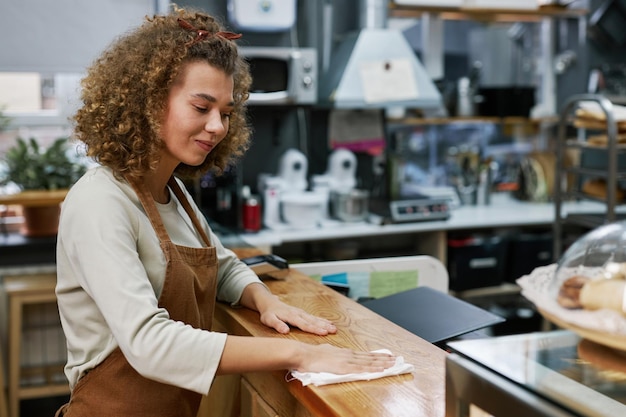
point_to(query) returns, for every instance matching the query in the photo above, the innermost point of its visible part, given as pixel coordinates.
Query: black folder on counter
(431, 314)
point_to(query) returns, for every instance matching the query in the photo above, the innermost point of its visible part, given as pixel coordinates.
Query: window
(35, 99)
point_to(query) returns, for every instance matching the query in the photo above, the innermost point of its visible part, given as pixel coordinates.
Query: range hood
(377, 68)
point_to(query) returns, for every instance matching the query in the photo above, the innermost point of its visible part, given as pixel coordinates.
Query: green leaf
(32, 167)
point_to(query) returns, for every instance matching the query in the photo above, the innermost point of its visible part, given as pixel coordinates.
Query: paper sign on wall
(388, 80)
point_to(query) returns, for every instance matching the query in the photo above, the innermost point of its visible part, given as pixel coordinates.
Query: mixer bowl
(350, 205)
(304, 209)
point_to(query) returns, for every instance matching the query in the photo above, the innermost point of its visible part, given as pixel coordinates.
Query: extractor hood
(377, 68)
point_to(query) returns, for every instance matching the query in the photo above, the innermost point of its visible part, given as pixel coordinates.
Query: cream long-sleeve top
(110, 272)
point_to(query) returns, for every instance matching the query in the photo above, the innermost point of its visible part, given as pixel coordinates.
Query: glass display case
(552, 374)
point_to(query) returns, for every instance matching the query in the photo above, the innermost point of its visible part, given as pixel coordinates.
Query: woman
(138, 267)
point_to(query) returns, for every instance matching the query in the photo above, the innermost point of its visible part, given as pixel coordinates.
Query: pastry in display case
(591, 274)
(585, 290)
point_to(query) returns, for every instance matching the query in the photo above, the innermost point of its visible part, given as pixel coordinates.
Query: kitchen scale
(416, 203)
(411, 209)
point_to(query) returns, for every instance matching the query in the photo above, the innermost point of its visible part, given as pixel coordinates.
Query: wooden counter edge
(359, 328)
(34, 198)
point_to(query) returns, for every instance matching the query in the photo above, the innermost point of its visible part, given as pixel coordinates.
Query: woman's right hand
(328, 358)
(250, 354)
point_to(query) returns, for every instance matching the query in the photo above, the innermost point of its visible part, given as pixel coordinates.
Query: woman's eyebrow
(210, 98)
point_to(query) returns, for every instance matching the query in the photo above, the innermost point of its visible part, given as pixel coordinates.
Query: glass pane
(21, 92)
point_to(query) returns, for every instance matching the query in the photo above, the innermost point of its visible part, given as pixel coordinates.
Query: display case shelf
(589, 172)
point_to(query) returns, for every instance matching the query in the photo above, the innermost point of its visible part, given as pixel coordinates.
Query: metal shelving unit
(433, 18)
(576, 173)
(486, 14)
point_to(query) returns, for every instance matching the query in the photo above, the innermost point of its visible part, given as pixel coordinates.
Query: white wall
(51, 36)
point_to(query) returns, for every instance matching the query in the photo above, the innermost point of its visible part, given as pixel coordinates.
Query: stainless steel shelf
(597, 173)
(610, 173)
(486, 14)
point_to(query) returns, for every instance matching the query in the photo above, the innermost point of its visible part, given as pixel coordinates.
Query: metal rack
(610, 173)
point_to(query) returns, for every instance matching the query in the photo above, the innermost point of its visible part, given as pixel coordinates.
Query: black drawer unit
(476, 261)
(526, 252)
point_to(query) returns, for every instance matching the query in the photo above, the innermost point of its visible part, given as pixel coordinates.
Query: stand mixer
(347, 203)
(292, 170)
(341, 172)
(288, 204)
(286, 201)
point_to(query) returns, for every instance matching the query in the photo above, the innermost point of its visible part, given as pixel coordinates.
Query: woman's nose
(215, 123)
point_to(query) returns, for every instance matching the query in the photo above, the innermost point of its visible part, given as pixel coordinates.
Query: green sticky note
(316, 277)
(384, 283)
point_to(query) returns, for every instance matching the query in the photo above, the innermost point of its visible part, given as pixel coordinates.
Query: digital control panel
(418, 210)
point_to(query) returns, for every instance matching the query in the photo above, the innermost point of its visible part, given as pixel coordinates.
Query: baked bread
(603, 293)
(569, 293)
(603, 357)
(593, 294)
(598, 188)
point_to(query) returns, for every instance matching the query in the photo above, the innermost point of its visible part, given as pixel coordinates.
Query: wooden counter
(421, 393)
(34, 198)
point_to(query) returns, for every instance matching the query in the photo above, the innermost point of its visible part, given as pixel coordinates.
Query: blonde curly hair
(125, 93)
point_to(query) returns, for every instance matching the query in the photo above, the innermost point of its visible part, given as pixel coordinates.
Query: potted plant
(4, 119)
(44, 175)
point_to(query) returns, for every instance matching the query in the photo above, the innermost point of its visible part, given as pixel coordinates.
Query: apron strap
(192, 215)
(153, 213)
(151, 210)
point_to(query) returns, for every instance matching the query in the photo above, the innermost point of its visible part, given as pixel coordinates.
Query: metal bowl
(350, 205)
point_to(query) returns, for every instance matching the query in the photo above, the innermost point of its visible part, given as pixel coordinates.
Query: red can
(251, 216)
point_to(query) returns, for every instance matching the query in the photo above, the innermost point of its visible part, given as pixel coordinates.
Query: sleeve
(105, 242)
(233, 274)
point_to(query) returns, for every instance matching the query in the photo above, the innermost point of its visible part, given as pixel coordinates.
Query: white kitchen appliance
(287, 203)
(339, 182)
(262, 15)
(281, 75)
(271, 188)
(341, 170)
(292, 170)
(340, 174)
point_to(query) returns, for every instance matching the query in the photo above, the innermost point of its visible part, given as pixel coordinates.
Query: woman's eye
(226, 115)
(201, 109)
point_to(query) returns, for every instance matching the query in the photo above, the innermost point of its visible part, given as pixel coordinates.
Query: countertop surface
(502, 212)
(420, 393)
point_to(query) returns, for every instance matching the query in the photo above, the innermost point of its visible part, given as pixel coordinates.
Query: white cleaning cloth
(324, 378)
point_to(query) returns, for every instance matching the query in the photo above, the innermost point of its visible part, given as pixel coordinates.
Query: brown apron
(114, 388)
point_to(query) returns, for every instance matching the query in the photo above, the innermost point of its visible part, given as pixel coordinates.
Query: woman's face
(197, 114)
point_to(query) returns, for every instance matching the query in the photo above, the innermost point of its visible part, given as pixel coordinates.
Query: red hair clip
(202, 34)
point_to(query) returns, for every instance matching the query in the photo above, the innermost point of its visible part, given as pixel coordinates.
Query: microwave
(282, 75)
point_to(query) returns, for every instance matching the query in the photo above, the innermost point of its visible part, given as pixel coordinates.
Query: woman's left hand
(279, 316)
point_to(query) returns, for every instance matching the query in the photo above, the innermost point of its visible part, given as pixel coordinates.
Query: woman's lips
(205, 146)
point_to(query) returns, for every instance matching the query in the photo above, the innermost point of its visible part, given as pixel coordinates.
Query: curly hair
(125, 94)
